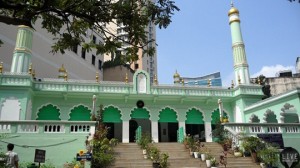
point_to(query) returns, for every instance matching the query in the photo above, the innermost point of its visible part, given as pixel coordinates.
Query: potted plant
(164, 160)
(214, 163)
(208, 160)
(143, 142)
(269, 156)
(154, 155)
(203, 152)
(252, 144)
(237, 152)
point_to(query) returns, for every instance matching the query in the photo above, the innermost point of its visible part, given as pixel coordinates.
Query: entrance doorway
(196, 130)
(167, 132)
(133, 125)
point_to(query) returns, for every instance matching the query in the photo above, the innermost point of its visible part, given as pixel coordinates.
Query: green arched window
(80, 113)
(112, 115)
(194, 116)
(215, 116)
(167, 115)
(48, 112)
(140, 113)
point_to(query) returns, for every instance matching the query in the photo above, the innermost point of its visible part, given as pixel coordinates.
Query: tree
(68, 21)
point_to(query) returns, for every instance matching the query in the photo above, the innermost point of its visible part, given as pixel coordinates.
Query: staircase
(129, 155)
(179, 156)
(232, 161)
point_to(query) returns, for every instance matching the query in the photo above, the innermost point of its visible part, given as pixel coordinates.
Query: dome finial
(232, 3)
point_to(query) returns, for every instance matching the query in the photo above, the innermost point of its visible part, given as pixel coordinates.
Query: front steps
(129, 155)
(216, 149)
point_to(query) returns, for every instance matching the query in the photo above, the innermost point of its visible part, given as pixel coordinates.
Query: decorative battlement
(89, 86)
(43, 127)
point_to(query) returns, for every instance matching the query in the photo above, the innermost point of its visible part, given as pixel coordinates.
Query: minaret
(22, 54)
(241, 71)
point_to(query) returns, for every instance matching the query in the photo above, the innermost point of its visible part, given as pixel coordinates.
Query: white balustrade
(28, 128)
(255, 129)
(79, 128)
(54, 128)
(292, 129)
(273, 129)
(5, 128)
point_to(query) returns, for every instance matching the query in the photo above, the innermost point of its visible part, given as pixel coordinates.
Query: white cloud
(270, 71)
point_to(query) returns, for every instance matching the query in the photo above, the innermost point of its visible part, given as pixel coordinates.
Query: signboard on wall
(39, 156)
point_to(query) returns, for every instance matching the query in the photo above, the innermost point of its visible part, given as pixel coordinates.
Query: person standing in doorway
(12, 157)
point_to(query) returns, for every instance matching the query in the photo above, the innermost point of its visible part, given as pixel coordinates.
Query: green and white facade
(54, 114)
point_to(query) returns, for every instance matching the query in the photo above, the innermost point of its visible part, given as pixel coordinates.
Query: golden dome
(233, 10)
(62, 68)
(176, 75)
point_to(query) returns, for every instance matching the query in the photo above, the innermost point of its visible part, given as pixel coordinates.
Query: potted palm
(208, 160)
(252, 144)
(154, 155)
(214, 163)
(237, 152)
(163, 163)
(269, 156)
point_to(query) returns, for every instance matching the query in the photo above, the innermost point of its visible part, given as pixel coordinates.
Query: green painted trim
(48, 112)
(111, 115)
(140, 113)
(135, 81)
(194, 116)
(80, 113)
(167, 115)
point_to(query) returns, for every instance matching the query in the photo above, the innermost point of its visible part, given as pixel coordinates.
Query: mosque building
(54, 114)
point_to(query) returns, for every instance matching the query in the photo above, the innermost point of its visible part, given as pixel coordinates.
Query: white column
(208, 134)
(182, 124)
(125, 132)
(154, 131)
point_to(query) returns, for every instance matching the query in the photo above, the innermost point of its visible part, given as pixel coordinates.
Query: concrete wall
(117, 73)
(281, 85)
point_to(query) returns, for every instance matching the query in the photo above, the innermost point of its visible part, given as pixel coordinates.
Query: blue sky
(198, 41)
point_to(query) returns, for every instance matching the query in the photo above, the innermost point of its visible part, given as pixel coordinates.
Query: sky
(198, 41)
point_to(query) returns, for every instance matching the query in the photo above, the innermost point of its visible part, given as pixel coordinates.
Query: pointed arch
(140, 113)
(254, 119)
(48, 112)
(270, 117)
(111, 114)
(215, 116)
(80, 113)
(289, 114)
(167, 115)
(194, 116)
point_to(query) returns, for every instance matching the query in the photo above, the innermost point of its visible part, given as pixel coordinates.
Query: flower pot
(203, 156)
(155, 165)
(196, 154)
(208, 163)
(144, 152)
(263, 165)
(238, 154)
(254, 157)
(145, 156)
(213, 167)
(247, 154)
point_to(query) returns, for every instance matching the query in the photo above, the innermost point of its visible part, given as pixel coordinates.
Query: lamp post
(220, 109)
(94, 103)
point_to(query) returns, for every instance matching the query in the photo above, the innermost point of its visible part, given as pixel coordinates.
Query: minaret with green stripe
(241, 68)
(22, 54)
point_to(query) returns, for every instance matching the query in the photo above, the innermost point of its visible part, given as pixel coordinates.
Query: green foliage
(219, 132)
(145, 140)
(69, 20)
(269, 155)
(164, 160)
(103, 155)
(252, 144)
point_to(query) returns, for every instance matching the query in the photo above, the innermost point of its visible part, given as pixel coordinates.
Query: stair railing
(138, 134)
(234, 134)
(180, 135)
